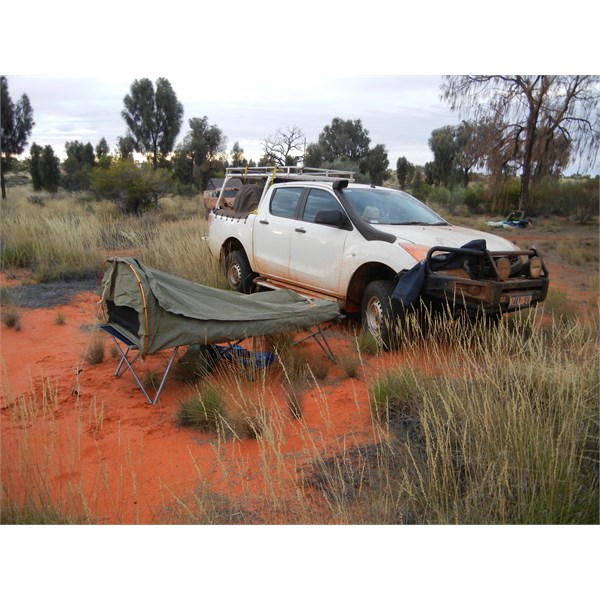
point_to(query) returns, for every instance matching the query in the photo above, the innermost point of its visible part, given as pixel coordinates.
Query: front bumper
(476, 285)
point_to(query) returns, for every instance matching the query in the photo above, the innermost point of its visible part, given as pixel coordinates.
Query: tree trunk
(3, 184)
(524, 193)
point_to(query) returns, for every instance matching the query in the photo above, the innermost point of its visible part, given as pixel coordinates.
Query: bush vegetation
(575, 197)
(133, 188)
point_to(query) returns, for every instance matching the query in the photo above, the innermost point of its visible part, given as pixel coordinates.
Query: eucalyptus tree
(444, 147)
(313, 156)
(404, 172)
(472, 142)
(344, 139)
(375, 164)
(237, 156)
(78, 164)
(285, 147)
(153, 117)
(17, 123)
(125, 147)
(200, 153)
(543, 122)
(102, 149)
(44, 168)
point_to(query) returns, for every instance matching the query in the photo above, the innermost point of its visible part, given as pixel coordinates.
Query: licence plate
(519, 301)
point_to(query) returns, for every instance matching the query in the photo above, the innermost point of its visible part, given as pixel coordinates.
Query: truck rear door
(272, 232)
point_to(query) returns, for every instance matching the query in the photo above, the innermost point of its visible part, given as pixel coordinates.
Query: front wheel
(379, 316)
(238, 272)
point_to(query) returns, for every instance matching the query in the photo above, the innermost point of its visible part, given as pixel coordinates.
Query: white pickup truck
(373, 250)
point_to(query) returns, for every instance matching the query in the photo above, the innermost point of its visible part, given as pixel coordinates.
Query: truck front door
(317, 250)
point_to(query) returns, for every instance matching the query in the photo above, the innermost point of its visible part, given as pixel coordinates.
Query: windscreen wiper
(421, 223)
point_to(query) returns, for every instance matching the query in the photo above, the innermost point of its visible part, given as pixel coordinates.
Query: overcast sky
(253, 68)
(398, 111)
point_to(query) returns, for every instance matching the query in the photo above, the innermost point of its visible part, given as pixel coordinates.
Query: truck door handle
(263, 222)
(300, 229)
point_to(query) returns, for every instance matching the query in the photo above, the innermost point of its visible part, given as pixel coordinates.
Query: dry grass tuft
(95, 351)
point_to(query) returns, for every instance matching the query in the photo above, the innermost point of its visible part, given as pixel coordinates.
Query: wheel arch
(229, 245)
(364, 275)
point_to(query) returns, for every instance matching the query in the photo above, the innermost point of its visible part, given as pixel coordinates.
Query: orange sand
(103, 452)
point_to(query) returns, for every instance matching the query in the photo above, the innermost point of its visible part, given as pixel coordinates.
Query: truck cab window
(319, 200)
(284, 202)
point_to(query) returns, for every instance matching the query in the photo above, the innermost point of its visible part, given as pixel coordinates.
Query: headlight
(503, 268)
(535, 267)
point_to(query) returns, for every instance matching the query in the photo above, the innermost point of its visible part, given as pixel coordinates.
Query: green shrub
(475, 198)
(545, 196)
(579, 199)
(134, 189)
(440, 195)
(504, 195)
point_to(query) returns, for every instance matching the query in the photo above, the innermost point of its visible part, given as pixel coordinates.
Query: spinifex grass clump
(203, 410)
(367, 344)
(396, 400)
(11, 316)
(56, 240)
(350, 363)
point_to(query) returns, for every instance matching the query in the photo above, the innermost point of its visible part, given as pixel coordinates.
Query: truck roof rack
(275, 174)
(288, 173)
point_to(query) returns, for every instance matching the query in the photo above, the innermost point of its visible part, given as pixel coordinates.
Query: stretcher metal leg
(319, 337)
(137, 380)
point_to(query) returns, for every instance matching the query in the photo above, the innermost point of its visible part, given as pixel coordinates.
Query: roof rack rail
(289, 173)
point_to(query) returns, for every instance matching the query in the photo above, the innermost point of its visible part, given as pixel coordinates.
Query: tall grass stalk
(510, 436)
(69, 236)
(178, 248)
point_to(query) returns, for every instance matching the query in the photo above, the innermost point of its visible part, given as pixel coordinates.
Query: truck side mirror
(333, 218)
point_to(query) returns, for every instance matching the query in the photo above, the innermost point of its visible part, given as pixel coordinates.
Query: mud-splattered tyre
(238, 272)
(379, 314)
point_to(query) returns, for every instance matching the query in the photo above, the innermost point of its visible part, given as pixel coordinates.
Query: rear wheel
(238, 272)
(379, 315)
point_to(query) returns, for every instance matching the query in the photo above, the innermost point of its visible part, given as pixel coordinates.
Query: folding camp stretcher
(146, 311)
